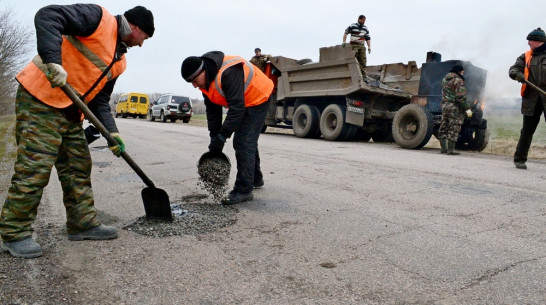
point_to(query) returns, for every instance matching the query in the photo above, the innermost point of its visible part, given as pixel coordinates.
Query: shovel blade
(157, 204)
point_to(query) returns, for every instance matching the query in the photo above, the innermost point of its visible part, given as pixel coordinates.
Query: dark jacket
(51, 23)
(233, 87)
(537, 76)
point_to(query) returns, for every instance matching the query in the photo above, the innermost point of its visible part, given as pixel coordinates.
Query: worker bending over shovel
(233, 82)
(84, 45)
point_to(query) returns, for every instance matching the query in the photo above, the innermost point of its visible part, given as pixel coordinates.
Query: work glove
(520, 77)
(117, 149)
(217, 143)
(56, 75)
(468, 113)
(369, 50)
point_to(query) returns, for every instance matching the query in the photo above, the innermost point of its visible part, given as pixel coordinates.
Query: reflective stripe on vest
(84, 59)
(528, 56)
(257, 86)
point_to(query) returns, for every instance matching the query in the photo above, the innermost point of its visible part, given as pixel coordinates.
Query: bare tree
(15, 45)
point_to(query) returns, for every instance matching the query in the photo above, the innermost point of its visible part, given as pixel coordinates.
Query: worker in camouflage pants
(61, 143)
(70, 39)
(454, 106)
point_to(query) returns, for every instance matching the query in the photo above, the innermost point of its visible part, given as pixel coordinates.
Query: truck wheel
(332, 123)
(162, 117)
(412, 127)
(186, 120)
(117, 114)
(477, 140)
(151, 116)
(264, 128)
(173, 120)
(306, 122)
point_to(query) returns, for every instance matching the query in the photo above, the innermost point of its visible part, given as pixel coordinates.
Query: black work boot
(99, 232)
(520, 165)
(25, 248)
(237, 197)
(451, 148)
(443, 145)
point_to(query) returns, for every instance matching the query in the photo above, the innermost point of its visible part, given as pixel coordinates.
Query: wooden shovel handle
(111, 141)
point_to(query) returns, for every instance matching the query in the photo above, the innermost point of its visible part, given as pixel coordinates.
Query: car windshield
(179, 99)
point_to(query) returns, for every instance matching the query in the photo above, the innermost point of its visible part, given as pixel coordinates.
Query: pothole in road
(193, 216)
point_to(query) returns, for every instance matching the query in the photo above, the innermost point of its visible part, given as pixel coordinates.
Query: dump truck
(396, 102)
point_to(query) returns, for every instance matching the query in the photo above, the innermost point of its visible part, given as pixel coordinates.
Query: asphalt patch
(191, 218)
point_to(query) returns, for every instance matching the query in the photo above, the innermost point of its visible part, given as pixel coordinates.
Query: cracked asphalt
(335, 223)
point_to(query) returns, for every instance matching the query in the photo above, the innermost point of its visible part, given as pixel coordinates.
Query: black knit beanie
(537, 35)
(191, 66)
(141, 17)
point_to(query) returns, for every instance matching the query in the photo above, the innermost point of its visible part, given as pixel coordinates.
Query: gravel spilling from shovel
(190, 218)
(214, 176)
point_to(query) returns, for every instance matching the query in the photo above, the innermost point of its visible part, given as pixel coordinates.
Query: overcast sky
(490, 34)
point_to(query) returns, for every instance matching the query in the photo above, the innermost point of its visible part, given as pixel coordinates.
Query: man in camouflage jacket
(533, 104)
(259, 60)
(454, 105)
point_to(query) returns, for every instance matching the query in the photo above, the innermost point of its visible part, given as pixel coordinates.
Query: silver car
(171, 107)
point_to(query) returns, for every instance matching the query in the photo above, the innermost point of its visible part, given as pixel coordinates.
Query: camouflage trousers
(452, 120)
(360, 55)
(45, 138)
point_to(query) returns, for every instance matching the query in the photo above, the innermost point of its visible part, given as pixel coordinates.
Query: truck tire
(412, 127)
(306, 121)
(478, 140)
(332, 123)
(162, 117)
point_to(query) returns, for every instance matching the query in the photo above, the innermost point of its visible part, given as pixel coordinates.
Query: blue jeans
(245, 143)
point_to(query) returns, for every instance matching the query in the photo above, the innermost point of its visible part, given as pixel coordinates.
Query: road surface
(336, 223)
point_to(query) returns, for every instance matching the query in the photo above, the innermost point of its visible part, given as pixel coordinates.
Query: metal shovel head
(157, 204)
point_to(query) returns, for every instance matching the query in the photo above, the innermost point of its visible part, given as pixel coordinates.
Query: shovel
(156, 201)
(535, 87)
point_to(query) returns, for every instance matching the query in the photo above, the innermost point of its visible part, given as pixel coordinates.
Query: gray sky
(490, 34)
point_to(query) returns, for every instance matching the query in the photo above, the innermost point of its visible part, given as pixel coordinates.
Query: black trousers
(245, 143)
(530, 124)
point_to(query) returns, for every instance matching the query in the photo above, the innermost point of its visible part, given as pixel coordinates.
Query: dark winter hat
(537, 35)
(257, 50)
(191, 67)
(141, 17)
(456, 68)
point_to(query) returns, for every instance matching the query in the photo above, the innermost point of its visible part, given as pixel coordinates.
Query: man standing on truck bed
(231, 81)
(453, 104)
(359, 34)
(530, 66)
(77, 43)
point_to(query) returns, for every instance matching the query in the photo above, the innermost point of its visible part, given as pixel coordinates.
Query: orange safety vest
(84, 59)
(258, 86)
(528, 56)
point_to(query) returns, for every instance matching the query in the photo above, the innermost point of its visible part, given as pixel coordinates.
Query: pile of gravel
(190, 219)
(214, 176)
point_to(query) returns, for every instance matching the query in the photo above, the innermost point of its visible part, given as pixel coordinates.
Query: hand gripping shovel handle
(111, 141)
(535, 87)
